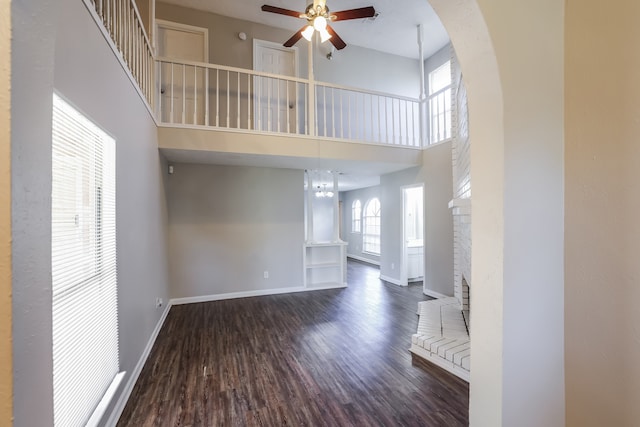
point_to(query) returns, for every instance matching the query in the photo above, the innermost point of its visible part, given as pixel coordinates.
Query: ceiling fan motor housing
(312, 11)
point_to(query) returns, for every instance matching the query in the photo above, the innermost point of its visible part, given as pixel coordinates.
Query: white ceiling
(393, 31)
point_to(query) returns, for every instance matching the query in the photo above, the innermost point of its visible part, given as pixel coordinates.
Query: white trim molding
(363, 259)
(256, 293)
(133, 378)
(434, 294)
(391, 280)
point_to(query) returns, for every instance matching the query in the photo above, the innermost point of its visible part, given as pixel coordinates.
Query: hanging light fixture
(323, 193)
(308, 33)
(317, 23)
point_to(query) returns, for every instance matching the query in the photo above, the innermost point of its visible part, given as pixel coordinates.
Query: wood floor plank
(324, 358)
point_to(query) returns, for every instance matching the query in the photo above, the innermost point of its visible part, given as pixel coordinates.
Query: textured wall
(6, 375)
(61, 48)
(514, 76)
(602, 159)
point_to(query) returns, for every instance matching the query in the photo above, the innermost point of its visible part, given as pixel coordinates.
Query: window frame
(370, 239)
(442, 96)
(356, 216)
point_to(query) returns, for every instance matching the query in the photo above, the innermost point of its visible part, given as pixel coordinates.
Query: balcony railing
(194, 94)
(201, 94)
(121, 20)
(361, 115)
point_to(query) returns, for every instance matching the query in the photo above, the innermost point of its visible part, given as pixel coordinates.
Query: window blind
(83, 243)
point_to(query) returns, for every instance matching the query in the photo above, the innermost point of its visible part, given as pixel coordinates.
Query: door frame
(186, 28)
(404, 256)
(258, 43)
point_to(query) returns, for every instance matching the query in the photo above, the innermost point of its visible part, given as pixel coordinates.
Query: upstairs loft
(207, 112)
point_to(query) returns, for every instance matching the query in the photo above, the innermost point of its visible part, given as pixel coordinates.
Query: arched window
(356, 216)
(371, 235)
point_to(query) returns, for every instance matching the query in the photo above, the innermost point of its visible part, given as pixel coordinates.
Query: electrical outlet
(266, 274)
(158, 302)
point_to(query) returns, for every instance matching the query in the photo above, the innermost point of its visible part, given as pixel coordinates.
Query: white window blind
(83, 243)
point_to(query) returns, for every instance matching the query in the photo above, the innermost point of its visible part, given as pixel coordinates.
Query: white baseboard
(124, 397)
(363, 259)
(256, 293)
(390, 280)
(439, 361)
(325, 286)
(434, 294)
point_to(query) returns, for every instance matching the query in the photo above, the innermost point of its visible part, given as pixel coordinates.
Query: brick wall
(461, 205)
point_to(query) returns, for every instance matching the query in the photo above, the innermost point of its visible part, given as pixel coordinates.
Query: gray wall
(436, 174)
(355, 239)
(353, 66)
(436, 60)
(322, 219)
(438, 222)
(370, 69)
(229, 224)
(225, 48)
(33, 39)
(86, 73)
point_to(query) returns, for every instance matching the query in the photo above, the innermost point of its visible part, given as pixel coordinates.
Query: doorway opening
(412, 265)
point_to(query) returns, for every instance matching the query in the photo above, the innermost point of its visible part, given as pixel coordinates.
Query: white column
(336, 208)
(309, 207)
(423, 90)
(311, 108)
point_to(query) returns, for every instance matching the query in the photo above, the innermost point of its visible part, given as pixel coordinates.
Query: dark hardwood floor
(323, 358)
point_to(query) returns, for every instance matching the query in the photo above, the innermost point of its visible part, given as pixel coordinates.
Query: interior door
(182, 87)
(275, 99)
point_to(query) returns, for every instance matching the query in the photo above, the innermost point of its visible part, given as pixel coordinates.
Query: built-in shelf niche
(324, 253)
(324, 265)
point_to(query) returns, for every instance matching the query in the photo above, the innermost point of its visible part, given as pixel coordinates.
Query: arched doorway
(513, 71)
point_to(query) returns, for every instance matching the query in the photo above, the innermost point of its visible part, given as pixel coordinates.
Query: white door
(275, 99)
(182, 87)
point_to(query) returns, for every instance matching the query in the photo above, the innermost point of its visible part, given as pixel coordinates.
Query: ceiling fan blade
(363, 12)
(335, 39)
(294, 38)
(280, 11)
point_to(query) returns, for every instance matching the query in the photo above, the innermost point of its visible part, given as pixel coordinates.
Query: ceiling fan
(318, 17)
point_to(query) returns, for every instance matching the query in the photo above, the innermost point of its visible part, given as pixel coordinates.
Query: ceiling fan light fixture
(308, 33)
(320, 23)
(324, 35)
(317, 15)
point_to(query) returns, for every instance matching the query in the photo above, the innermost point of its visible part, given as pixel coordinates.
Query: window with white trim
(440, 103)
(83, 266)
(356, 216)
(371, 234)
